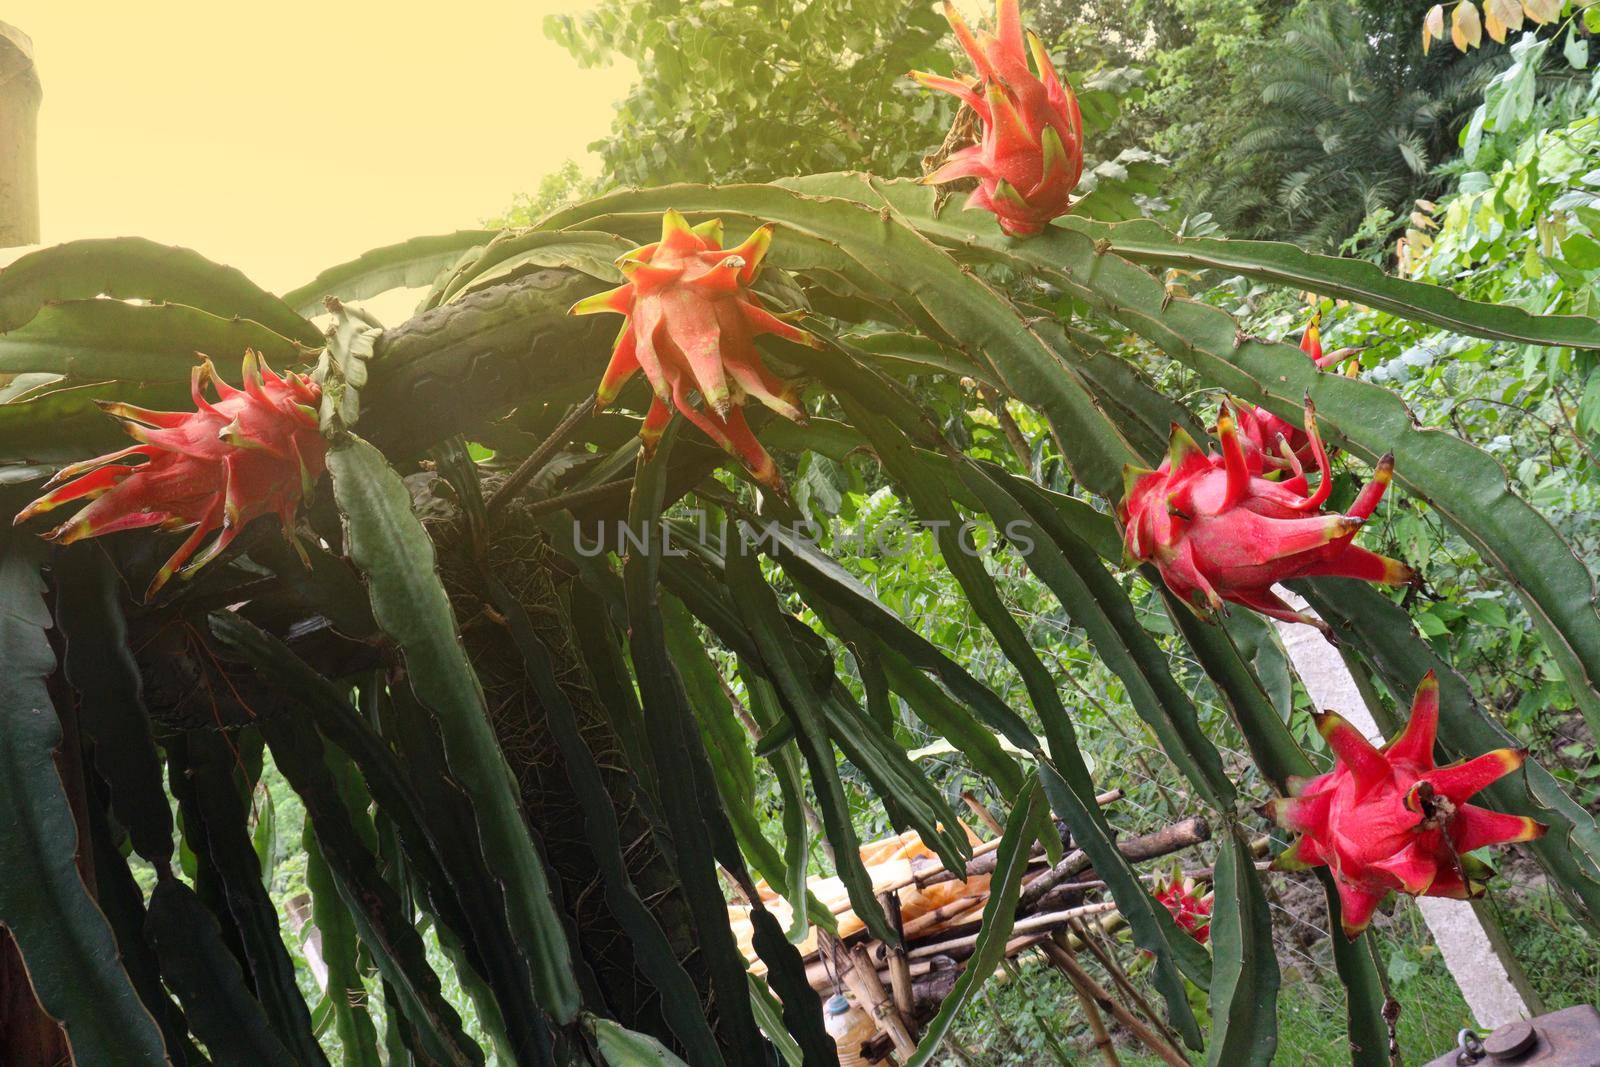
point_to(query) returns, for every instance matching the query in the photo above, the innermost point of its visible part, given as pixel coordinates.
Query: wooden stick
(899, 966)
(530, 466)
(943, 913)
(1119, 978)
(1062, 958)
(1031, 923)
(1168, 839)
(877, 1001)
(1097, 1025)
(928, 870)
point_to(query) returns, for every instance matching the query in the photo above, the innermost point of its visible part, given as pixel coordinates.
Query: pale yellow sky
(282, 138)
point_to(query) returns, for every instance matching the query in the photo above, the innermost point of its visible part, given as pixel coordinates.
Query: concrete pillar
(1479, 959)
(20, 94)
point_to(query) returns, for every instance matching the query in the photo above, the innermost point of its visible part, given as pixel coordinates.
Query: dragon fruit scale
(253, 451)
(1180, 895)
(1030, 156)
(1217, 530)
(1387, 820)
(692, 321)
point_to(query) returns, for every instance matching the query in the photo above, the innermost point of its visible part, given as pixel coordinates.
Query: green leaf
(207, 978)
(1070, 789)
(831, 584)
(999, 916)
(130, 268)
(392, 551)
(785, 762)
(346, 992)
(1581, 251)
(668, 728)
(515, 252)
(1097, 602)
(406, 265)
(91, 340)
(1244, 978)
(1357, 965)
(769, 1015)
(762, 617)
(65, 941)
(111, 710)
(725, 739)
(356, 900)
(735, 769)
(1466, 485)
(40, 435)
(621, 1047)
(680, 1001)
(123, 902)
(1145, 242)
(203, 767)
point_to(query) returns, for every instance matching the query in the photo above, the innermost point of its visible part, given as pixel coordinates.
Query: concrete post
(20, 94)
(1491, 981)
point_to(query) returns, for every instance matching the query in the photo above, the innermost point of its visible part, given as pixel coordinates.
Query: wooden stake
(1097, 1025)
(1119, 978)
(899, 966)
(864, 976)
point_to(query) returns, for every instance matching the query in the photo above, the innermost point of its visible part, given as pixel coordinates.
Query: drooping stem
(530, 466)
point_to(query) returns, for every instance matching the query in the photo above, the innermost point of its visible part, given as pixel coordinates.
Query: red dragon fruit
(1217, 530)
(692, 323)
(1180, 895)
(1281, 444)
(1030, 157)
(1388, 820)
(254, 451)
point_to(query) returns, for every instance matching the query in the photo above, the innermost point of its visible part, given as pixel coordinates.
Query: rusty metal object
(1566, 1038)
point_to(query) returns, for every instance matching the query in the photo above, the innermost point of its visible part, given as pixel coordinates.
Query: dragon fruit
(1030, 156)
(691, 325)
(254, 451)
(1281, 444)
(1388, 820)
(1180, 895)
(1217, 530)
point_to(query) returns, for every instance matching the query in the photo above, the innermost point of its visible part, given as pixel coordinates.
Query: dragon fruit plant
(1190, 909)
(1030, 156)
(1217, 530)
(692, 321)
(1387, 820)
(530, 717)
(254, 451)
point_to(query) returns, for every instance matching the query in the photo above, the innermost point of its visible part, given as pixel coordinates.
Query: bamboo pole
(1043, 921)
(928, 870)
(878, 1002)
(899, 966)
